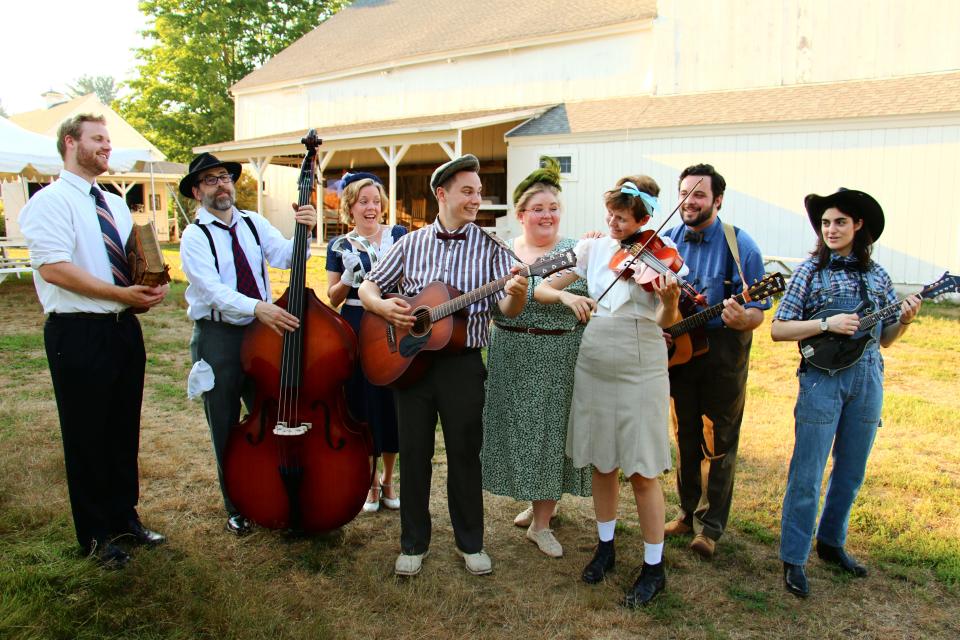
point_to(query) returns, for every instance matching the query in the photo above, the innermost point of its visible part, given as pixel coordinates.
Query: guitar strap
(730, 233)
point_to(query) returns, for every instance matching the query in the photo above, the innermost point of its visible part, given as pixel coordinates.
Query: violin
(656, 258)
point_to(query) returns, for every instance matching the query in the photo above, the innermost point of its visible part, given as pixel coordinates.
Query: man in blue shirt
(709, 391)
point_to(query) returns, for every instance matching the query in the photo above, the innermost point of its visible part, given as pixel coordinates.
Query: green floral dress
(528, 394)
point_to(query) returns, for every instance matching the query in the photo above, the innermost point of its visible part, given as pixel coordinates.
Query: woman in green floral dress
(531, 360)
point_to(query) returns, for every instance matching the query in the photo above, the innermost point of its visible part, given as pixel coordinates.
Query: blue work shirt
(710, 263)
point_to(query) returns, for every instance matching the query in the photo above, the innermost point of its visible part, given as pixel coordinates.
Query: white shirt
(60, 224)
(626, 298)
(213, 295)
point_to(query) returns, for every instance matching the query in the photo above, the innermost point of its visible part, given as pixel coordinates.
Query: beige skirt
(621, 398)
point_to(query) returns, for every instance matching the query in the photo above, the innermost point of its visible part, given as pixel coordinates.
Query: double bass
(299, 461)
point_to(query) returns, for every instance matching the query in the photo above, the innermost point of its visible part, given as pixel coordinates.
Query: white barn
(784, 98)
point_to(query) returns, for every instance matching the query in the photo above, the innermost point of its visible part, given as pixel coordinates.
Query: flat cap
(446, 171)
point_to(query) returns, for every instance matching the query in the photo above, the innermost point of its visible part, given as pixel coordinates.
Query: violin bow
(649, 240)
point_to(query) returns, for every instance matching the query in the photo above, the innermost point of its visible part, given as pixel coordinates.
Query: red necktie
(246, 283)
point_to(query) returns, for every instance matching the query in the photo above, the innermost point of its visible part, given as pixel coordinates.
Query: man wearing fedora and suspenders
(76, 234)
(225, 255)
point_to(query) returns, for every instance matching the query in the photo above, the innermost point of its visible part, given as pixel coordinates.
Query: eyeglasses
(211, 181)
(540, 211)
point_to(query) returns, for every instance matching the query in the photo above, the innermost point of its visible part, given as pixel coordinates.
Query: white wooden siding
(606, 66)
(910, 169)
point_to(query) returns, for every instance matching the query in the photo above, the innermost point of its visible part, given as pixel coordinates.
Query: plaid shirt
(420, 258)
(805, 294)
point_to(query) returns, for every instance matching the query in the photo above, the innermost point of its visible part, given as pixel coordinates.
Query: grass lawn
(206, 584)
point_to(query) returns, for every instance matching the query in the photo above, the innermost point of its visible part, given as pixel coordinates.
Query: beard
(702, 216)
(220, 201)
(90, 161)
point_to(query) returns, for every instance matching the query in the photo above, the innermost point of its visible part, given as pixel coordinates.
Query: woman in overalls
(837, 410)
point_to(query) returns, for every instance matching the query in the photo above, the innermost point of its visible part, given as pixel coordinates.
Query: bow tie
(696, 237)
(443, 235)
(845, 264)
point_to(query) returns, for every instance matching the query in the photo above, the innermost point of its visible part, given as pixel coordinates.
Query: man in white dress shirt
(75, 232)
(225, 255)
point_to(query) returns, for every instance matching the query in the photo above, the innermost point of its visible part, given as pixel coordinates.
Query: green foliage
(104, 86)
(200, 49)
(246, 188)
(3, 112)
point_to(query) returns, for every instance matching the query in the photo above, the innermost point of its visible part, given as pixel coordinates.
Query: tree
(104, 86)
(3, 112)
(181, 98)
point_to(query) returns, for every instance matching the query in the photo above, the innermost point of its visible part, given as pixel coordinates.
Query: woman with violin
(618, 417)
(531, 360)
(349, 258)
(836, 410)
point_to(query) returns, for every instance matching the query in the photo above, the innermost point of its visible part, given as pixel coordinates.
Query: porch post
(392, 155)
(259, 165)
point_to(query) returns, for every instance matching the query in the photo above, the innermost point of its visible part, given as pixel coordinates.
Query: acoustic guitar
(689, 338)
(833, 352)
(397, 357)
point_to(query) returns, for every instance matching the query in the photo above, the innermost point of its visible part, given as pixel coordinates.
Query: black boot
(837, 556)
(795, 579)
(650, 582)
(603, 560)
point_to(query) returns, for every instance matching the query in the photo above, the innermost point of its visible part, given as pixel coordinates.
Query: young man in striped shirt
(457, 252)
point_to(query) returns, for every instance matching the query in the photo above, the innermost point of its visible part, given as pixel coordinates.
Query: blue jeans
(841, 412)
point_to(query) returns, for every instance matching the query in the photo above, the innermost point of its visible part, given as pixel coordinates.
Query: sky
(47, 44)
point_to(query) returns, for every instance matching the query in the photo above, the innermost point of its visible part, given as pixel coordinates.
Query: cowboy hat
(850, 201)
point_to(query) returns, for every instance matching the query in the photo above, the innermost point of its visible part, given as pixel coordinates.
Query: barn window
(566, 164)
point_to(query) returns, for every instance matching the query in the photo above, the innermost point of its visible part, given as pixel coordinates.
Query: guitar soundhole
(421, 326)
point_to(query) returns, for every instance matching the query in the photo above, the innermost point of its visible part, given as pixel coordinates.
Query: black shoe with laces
(837, 556)
(141, 535)
(238, 525)
(107, 554)
(603, 560)
(650, 582)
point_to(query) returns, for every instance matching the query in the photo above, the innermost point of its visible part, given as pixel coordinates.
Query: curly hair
(352, 193)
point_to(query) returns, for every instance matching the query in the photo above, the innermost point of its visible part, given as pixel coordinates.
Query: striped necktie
(246, 283)
(111, 240)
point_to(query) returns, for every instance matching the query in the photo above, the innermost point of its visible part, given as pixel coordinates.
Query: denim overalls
(841, 411)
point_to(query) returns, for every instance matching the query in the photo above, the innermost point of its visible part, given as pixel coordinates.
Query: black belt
(116, 316)
(536, 331)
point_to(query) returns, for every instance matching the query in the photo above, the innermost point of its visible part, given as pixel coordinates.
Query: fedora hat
(851, 202)
(200, 164)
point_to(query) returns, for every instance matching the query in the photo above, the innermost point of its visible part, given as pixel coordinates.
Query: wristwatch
(823, 325)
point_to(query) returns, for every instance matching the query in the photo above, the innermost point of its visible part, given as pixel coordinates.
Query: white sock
(606, 529)
(652, 552)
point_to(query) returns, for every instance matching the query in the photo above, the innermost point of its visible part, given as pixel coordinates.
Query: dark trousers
(453, 389)
(218, 344)
(97, 367)
(709, 394)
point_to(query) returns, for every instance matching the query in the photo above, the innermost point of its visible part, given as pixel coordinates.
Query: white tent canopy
(24, 152)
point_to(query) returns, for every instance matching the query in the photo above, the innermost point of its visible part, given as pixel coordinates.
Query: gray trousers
(218, 343)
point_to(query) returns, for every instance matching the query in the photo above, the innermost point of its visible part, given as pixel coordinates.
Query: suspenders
(213, 249)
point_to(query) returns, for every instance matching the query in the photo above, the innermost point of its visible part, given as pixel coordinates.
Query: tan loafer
(545, 539)
(409, 565)
(676, 528)
(703, 546)
(479, 564)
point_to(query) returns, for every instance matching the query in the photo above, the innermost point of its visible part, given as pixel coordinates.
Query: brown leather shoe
(676, 528)
(704, 546)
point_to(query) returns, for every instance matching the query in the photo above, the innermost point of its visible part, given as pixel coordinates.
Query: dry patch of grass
(205, 584)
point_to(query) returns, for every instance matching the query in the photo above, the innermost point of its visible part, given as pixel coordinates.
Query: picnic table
(12, 260)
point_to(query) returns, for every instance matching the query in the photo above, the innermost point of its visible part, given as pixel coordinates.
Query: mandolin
(396, 357)
(833, 352)
(690, 340)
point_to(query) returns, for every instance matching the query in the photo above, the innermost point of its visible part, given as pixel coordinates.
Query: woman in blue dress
(349, 258)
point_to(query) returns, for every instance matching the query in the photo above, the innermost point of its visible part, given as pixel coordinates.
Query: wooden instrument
(396, 357)
(689, 336)
(833, 352)
(299, 460)
(145, 257)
